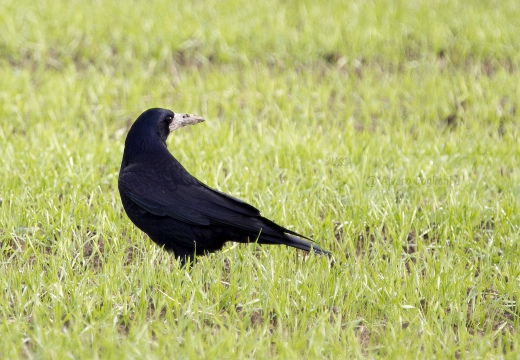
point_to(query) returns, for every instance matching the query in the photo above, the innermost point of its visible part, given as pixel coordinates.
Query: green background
(387, 131)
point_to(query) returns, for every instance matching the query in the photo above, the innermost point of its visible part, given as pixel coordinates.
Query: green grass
(387, 131)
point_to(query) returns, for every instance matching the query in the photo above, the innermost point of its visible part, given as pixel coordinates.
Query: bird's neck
(139, 149)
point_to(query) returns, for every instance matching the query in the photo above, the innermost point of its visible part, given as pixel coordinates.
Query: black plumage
(178, 211)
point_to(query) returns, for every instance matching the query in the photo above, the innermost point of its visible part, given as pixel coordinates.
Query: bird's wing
(147, 190)
(189, 201)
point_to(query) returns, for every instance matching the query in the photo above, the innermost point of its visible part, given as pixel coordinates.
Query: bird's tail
(292, 241)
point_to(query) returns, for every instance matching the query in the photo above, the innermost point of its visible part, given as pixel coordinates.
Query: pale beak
(180, 120)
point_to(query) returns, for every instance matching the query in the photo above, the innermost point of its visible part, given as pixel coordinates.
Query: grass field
(387, 131)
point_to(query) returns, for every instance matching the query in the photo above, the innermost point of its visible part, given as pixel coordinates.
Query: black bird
(178, 211)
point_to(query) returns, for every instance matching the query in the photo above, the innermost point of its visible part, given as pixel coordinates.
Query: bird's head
(159, 122)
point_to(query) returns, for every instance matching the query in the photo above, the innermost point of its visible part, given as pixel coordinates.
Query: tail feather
(305, 245)
(292, 241)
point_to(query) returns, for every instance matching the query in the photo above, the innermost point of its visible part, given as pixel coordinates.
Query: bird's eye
(169, 119)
